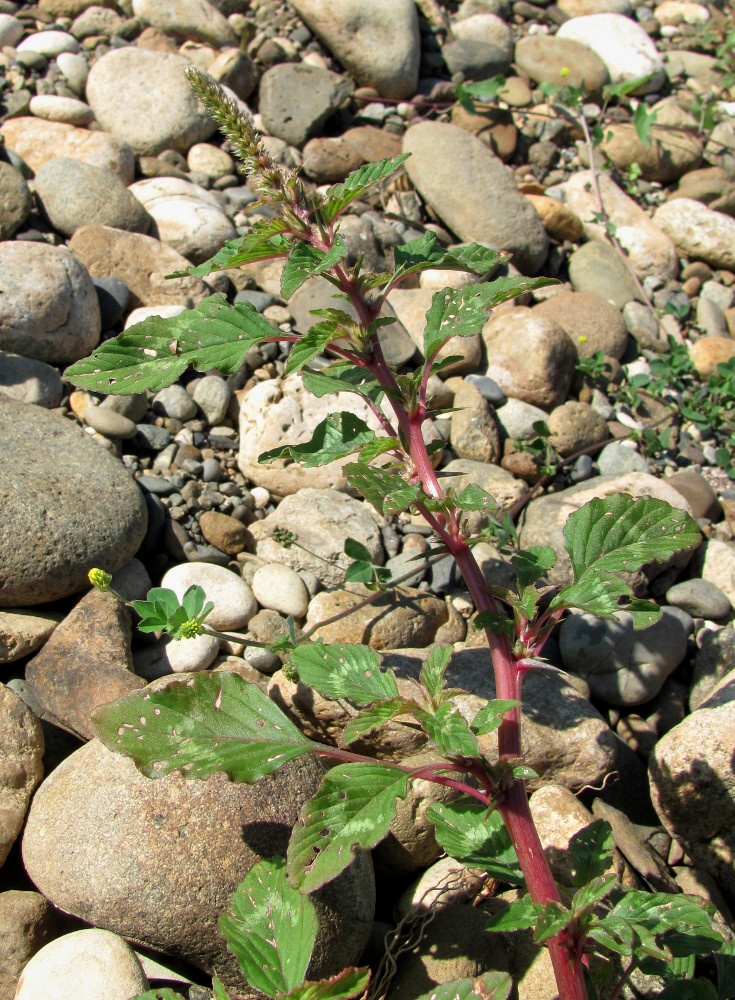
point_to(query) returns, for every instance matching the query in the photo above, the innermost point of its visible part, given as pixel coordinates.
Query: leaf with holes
(351, 811)
(488, 986)
(306, 261)
(346, 984)
(338, 435)
(312, 344)
(473, 497)
(681, 922)
(386, 491)
(620, 534)
(449, 731)
(426, 251)
(270, 928)
(476, 838)
(156, 352)
(343, 670)
(339, 196)
(599, 593)
(516, 916)
(207, 723)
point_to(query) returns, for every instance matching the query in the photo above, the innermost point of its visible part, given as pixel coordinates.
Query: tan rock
(560, 222)
(399, 618)
(23, 632)
(591, 322)
(411, 305)
(708, 352)
(36, 141)
(226, 533)
(21, 767)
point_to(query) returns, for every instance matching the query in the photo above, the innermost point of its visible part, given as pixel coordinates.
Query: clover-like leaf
(157, 351)
(338, 435)
(343, 670)
(270, 928)
(206, 723)
(352, 811)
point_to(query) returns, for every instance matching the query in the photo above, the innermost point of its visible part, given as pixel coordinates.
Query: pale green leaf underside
(621, 534)
(155, 353)
(338, 435)
(343, 670)
(270, 928)
(346, 984)
(210, 722)
(370, 719)
(306, 261)
(351, 811)
(339, 196)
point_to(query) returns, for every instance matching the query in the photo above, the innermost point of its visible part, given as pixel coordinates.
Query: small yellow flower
(99, 579)
(564, 71)
(582, 339)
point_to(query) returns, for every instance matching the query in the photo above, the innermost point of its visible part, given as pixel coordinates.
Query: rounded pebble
(280, 588)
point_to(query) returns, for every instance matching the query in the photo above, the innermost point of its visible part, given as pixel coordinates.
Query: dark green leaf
(531, 564)
(270, 928)
(496, 621)
(690, 989)
(378, 446)
(336, 436)
(370, 719)
(483, 89)
(449, 732)
(195, 604)
(344, 671)
(474, 497)
(346, 984)
(306, 261)
(351, 811)
(260, 243)
(516, 916)
(342, 376)
(386, 491)
(356, 550)
(613, 934)
(488, 719)
(591, 851)
(488, 986)
(552, 919)
(427, 251)
(312, 344)
(207, 723)
(619, 534)
(598, 593)
(682, 920)
(433, 670)
(339, 196)
(725, 960)
(156, 352)
(476, 838)
(591, 893)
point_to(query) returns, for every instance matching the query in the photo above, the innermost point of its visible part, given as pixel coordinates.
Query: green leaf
(306, 261)
(613, 934)
(690, 989)
(255, 245)
(591, 851)
(207, 723)
(270, 928)
(552, 919)
(378, 446)
(336, 436)
(488, 719)
(348, 983)
(481, 89)
(598, 593)
(643, 119)
(218, 990)
(344, 671)
(156, 352)
(531, 564)
(449, 732)
(433, 670)
(339, 196)
(682, 920)
(372, 718)
(496, 621)
(488, 986)
(342, 376)
(474, 497)
(427, 252)
(476, 838)
(591, 893)
(312, 344)
(619, 534)
(356, 550)
(624, 88)
(386, 491)
(351, 811)
(725, 960)
(516, 916)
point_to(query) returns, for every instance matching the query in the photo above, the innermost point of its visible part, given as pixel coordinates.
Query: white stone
(280, 588)
(75, 69)
(49, 43)
(676, 12)
(622, 44)
(88, 963)
(195, 19)
(234, 601)
(719, 566)
(204, 158)
(189, 655)
(144, 312)
(698, 231)
(186, 216)
(61, 109)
